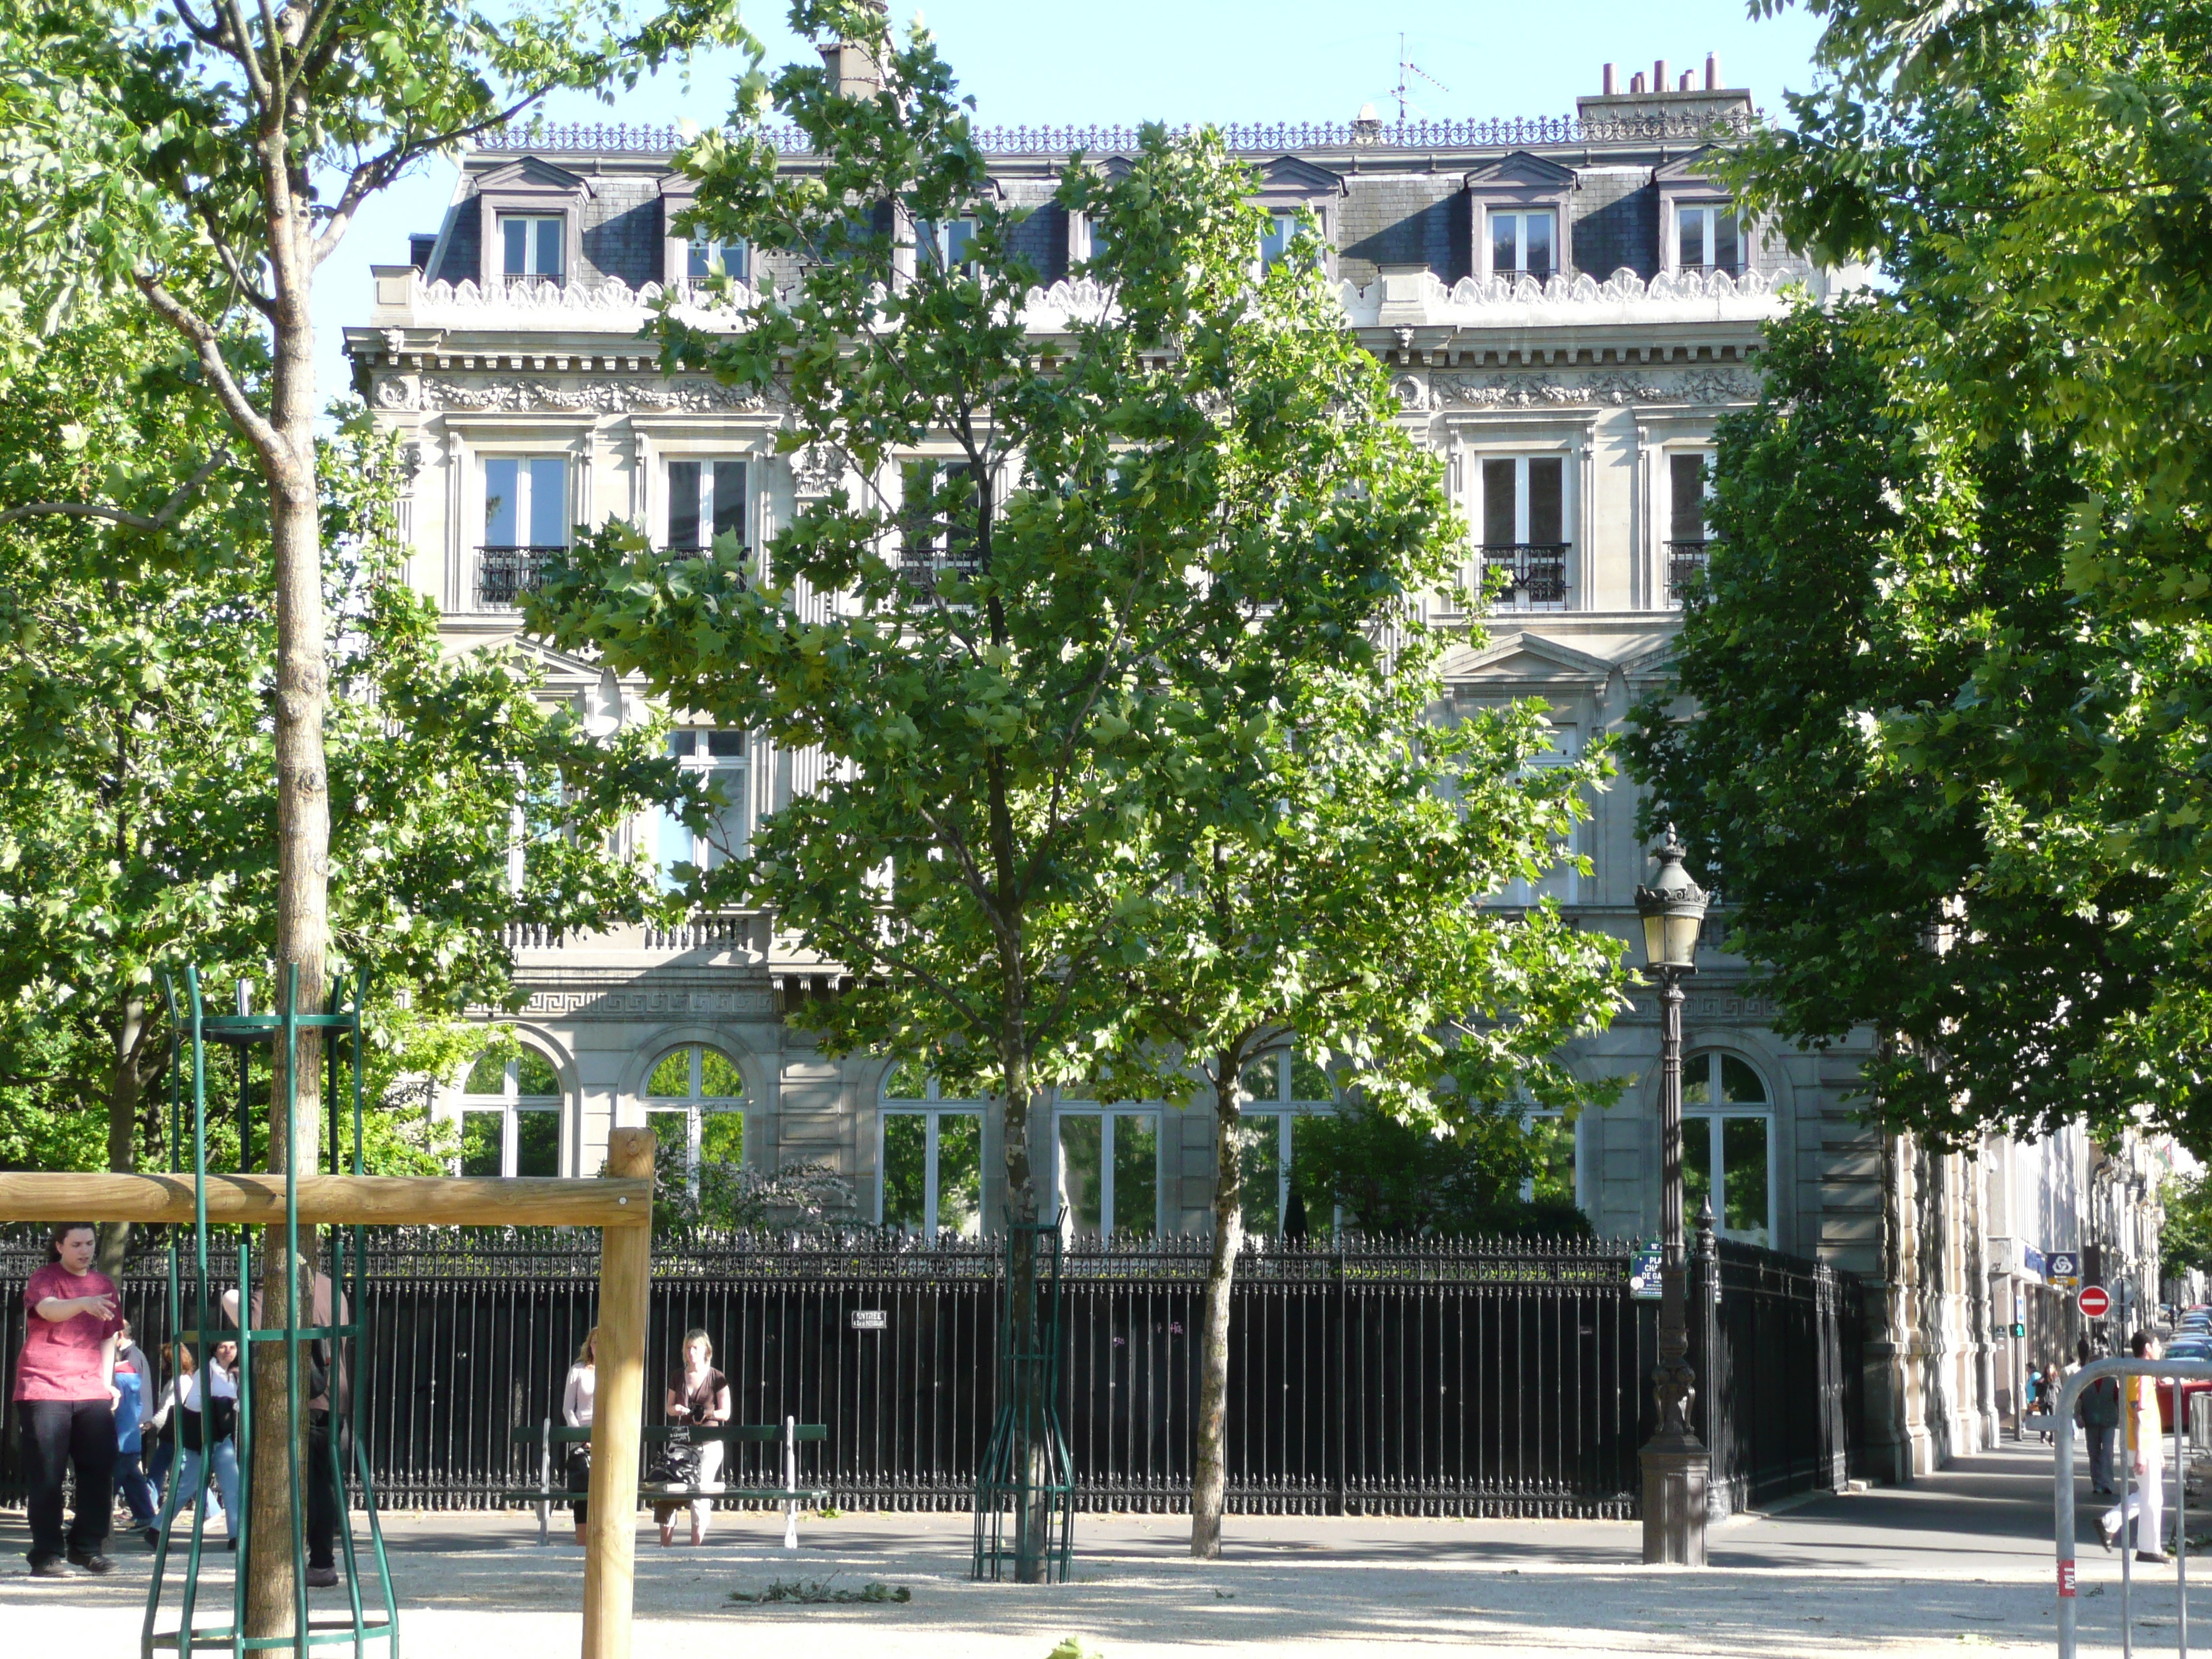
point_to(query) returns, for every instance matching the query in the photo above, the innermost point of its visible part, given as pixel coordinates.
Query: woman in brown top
(698, 1396)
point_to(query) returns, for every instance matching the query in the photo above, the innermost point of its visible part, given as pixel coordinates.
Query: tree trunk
(302, 894)
(1031, 1448)
(124, 1095)
(1209, 1478)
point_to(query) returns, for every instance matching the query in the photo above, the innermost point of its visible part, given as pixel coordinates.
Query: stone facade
(1583, 386)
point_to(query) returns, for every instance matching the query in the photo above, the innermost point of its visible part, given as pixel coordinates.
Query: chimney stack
(1712, 71)
(1659, 75)
(1612, 81)
(1682, 84)
(1636, 83)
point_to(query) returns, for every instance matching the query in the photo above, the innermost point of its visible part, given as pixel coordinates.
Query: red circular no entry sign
(2094, 1300)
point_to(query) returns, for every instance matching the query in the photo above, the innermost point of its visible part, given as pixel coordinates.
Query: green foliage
(1391, 1177)
(137, 781)
(2185, 1237)
(2005, 598)
(1158, 523)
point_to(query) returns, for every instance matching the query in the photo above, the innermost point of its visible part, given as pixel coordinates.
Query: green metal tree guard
(357, 1626)
(1028, 1476)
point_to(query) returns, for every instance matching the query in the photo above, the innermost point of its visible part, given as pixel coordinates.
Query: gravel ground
(1962, 1561)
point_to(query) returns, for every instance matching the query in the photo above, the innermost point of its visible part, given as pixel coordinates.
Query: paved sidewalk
(1962, 1560)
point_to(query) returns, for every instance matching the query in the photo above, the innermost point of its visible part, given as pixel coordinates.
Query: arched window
(511, 1116)
(694, 1104)
(1727, 1147)
(1282, 1091)
(931, 1157)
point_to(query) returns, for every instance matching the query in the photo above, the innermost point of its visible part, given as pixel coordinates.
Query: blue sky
(1188, 60)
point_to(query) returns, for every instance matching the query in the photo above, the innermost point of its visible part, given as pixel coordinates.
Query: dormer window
(1706, 238)
(1282, 231)
(705, 257)
(530, 246)
(944, 242)
(706, 502)
(1523, 243)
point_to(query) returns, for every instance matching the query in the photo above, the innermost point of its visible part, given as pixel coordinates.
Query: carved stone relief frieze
(520, 394)
(621, 1005)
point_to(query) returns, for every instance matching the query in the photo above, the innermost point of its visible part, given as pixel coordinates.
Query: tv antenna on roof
(1406, 66)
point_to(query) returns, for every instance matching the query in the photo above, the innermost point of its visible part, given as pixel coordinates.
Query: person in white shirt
(576, 1413)
(206, 1425)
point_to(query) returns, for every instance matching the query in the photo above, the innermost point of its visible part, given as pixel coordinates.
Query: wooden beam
(618, 1410)
(373, 1200)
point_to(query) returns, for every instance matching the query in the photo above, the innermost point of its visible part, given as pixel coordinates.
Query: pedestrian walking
(2097, 1409)
(2054, 1380)
(2146, 1505)
(205, 1422)
(576, 1413)
(699, 1396)
(65, 1401)
(134, 1387)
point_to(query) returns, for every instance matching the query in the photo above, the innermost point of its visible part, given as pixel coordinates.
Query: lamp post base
(1675, 1504)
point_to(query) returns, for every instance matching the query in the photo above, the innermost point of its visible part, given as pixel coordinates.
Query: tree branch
(208, 347)
(135, 520)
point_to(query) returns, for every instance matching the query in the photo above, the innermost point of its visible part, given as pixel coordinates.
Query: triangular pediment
(528, 173)
(1527, 658)
(1519, 167)
(1693, 167)
(1651, 665)
(1290, 175)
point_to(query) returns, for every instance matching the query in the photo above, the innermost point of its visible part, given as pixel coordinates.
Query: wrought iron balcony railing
(923, 568)
(1685, 566)
(1535, 573)
(504, 572)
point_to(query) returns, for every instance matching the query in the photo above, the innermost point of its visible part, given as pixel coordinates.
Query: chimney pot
(1659, 75)
(1636, 82)
(1683, 84)
(1612, 81)
(1712, 71)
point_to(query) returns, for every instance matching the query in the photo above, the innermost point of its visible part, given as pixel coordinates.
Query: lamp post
(1676, 1462)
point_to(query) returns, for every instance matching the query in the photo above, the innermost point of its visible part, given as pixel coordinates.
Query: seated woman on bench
(698, 1396)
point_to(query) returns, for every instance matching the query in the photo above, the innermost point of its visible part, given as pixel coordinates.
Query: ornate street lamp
(1676, 1462)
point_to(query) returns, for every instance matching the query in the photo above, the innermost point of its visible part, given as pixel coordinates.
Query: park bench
(547, 1434)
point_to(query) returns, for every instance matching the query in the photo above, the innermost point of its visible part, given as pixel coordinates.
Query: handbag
(676, 1464)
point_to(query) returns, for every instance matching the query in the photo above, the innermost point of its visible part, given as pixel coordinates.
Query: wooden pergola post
(619, 1410)
(619, 1203)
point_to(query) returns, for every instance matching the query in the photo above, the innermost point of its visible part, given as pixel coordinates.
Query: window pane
(1744, 1177)
(1554, 1139)
(908, 1081)
(672, 844)
(487, 1077)
(1320, 1207)
(1724, 239)
(684, 503)
(1136, 1174)
(480, 1135)
(1686, 484)
(680, 742)
(1263, 1079)
(1547, 517)
(1497, 504)
(1505, 243)
(1740, 1084)
(1538, 242)
(906, 1164)
(548, 248)
(958, 232)
(1697, 1168)
(1692, 249)
(730, 500)
(1698, 1081)
(1308, 1081)
(719, 1077)
(514, 233)
(502, 490)
(960, 1174)
(549, 503)
(1260, 1146)
(537, 1143)
(722, 1139)
(727, 839)
(698, 258)
(671, 1131)
(671, 1077)
(726, 744)
(1079, 1168)
(534, 1075)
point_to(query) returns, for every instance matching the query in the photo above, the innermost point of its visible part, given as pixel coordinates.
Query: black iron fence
(1367, 1376)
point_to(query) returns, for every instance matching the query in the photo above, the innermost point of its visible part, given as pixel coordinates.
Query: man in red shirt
(66, 1399)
